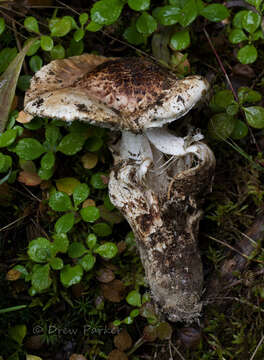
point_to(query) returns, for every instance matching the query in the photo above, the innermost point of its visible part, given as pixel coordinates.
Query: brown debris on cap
(123, 93)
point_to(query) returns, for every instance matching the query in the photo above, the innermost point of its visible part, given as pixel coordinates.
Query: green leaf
(23, 82)
(236, 36)
(76, 250)
(71, 275)
(108, 250)
(57, 52)
(240, 130)
(39, 250)
(75, 48)
(60, 243)
(134, 298)
(247, 54)
(107, 203)
(106, 12)
(221, 126)
(59, 201)
(71, 144)
(255, 3)
(35, 63)
(48, 161)
(56, 263)
(7, 55)
(87, 262)
(2, 25)
(139, 5)
(78, 35)
(251, 21)
(223, 98)
(180, 40)
(167, 15)
(35, 45)
(238, 19)
(146, 24)
(133, 36)
(45, 174)
(93, 27)
(97, 181)
(18, 333)
(52, 134)
(232, 109)
(67, 184)
(21, 269)
(255, 116)
(46, 43)
(80, 193)
(41, 278)
(188, 13)
(31, 24)
(29, 149)
(64, 223)
(90, 213)
(83, 18)
(245, 94)
(91, 241)
(61, 27)
(7, 138)
(5, 163)
(102, 229)
(215, 12)
(94, 143)
(35, 124)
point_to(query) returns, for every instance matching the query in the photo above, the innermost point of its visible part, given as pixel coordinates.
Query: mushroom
(159, 178)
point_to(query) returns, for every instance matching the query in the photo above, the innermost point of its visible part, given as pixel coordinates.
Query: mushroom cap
(131, 94)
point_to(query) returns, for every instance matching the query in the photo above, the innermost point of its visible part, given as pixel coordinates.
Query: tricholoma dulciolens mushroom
(159, 179)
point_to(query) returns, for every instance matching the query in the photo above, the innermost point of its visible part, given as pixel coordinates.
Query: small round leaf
(29, 149)
(102, 229)
(108, 250)
(46, 43)
(31, 24)
(236, 36)
(139, 5)
(71, 275)
(35, 63)
(134, 298)
(90, 213)
(60, 201)
(57, 52)
(39, 250)
(146, 24)
(76, 250)
(180, 40)
(255, 116)
(240, 130)
(64, 223)
(247, 54)
(106, 12)
(251, 21)
(215, 12)
(87, 262)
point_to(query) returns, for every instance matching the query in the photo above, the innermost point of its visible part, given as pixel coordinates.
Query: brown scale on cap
(128, 85)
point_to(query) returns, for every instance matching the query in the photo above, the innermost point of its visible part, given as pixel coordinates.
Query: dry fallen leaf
(117, 355)
(123, 340)
(29, 179)
(89, 160)
(105, 275)
(114, 291)
(88, 202)
(13, 275)
(77, 357)
(23, 117)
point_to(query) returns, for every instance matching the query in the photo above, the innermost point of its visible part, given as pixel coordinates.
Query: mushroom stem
(164, 212)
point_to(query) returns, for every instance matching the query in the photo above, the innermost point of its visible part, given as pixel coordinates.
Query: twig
(177, 351)
(234, 249)
(258, 346)
(220, 64)
(34, 196)
(13, 223)
(220, 280)
(233, 298)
